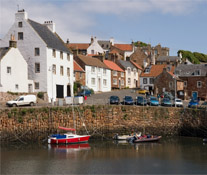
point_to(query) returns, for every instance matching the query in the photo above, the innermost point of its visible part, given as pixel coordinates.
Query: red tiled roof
(112, 65)
(135, 64)
(124, 47)
(91, 55)
(82, 46)
(77, 67)
(156, 70)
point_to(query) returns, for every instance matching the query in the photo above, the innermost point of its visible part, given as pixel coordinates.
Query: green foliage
(125, 116)
(92, 91)
(93, 109)
(194, 57)
(77, 85)
(140, 44)
(40, 95)
(13, 93)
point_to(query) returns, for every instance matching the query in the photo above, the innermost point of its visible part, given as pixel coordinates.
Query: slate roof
(188, 70)
(168, 58)
(113, 66)
(91, 61)
(3, 51)
(124, 47)
(156, 70)
(51, 39)
(104, 44)
(77, 67)
(81, 46)
(125, 64)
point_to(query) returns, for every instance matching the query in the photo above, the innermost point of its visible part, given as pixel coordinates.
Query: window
(104, 82)
(129, 80)
(68, 56)
(129, 71)
(54, 69)
(151, 80)
(104, 71)
(114, 81)
(122, 82)
(20, 36)
(16, 86)
(54, 53)
(185, 83)
(199, 84)
(81, 75)
(170, 85)
(122, 74)
(37, 86)
(68, 71)
(20, 24)
(8, 70)
(61, 70)
(114, 73)
(144, 80)
(135, 82)
(92, 51)
(37, 67)
(93, 81)
(99, 69)
(135, 72)
(197, 72)
(93, 69)
(61, 55)
(37, 51)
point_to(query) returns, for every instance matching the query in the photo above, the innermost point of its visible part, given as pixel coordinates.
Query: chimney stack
(67, 41)
(50, 25)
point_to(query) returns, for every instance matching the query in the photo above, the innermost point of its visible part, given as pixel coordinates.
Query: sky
(177, 24)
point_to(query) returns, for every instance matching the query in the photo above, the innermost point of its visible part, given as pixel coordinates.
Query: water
(169, 156)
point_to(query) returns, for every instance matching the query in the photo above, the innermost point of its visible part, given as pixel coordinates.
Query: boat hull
(81, 139)
(154, 139)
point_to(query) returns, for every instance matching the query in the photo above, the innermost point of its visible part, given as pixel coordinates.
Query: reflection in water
(175, 156)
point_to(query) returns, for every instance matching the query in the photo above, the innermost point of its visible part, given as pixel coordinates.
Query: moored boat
(68, 137)
(148, 138)
(122, 137)
(205, 140)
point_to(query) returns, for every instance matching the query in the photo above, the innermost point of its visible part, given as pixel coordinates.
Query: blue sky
(177, 24)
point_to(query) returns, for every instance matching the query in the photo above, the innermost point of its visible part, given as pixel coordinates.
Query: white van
(23, 100)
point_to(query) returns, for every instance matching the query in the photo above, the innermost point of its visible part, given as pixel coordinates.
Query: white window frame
(114, 73)
(114, 81)
(104, 71)
(105, 82)
(122, 74)
(129, 81)
(93, 81)
(144, 81)
(199, 82)
(37, 85)
(122, 82)
(8, 70)
(37, 67)
(93, 69)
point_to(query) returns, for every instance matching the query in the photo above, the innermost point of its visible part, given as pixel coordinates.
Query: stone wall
(32, 124)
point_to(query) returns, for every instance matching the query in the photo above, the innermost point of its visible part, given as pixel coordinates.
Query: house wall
(147, 85)
(132, 76)
(80, 77)
(96, 47)
(99, 78)
(118, 77)
(18, 75)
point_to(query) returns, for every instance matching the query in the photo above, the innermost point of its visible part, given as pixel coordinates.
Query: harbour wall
(35, 124)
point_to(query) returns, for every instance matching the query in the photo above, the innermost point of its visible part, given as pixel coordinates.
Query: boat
(205, 140)
(146, 139)
(126, 137)
(68, 137)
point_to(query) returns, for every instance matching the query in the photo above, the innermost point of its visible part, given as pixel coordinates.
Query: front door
(195, 95)
(99, 84)
(59, 91)
(68, 91)
(30, 88)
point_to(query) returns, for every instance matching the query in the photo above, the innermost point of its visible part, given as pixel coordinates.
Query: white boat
(125, 137)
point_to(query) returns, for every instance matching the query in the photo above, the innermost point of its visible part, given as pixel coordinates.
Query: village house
(131, 73)
(167, 82)
(97, 74)
(195, 79)
(50, 63)
(79, 73)
(150, 73)
(13, 70)
(117, 75)
(139, 70)
(172, 60)
(78, 48)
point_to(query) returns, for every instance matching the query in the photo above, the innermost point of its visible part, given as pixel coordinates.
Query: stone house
(97, 74)
(150, 73)
(13, 70)
(50, 63)
(167, 82)
(79, 73)
(78, 48)
(131, 73)
(117, 75)
(173, 60)
(195, 79)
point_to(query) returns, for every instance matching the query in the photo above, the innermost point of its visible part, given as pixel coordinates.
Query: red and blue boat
(68, 138)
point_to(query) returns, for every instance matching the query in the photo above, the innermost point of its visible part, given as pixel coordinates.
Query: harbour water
(178, 155)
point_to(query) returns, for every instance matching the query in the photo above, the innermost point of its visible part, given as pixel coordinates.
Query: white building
(50, 63)
(98, 75)
(13, 70)
(131, 73)
(94, 48)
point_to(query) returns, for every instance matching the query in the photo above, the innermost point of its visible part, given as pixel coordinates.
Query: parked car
(178, 102)
(128, 100)
(140, 101)
(153, 101)
(203, 105)
(84, 92)
(114, 100)
(166, 102)
(193, 104)
(142, 91)
(22, 101)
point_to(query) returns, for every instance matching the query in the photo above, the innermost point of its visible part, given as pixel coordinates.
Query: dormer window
(197, 72)
(20, 24)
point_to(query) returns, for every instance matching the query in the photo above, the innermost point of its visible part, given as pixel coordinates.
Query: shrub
(40, 95)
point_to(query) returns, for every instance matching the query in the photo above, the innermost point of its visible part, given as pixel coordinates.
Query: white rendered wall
(96, 47)
(146, 86)
(18, 75)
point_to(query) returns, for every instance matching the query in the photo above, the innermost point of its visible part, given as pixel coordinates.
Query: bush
(40, 95)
